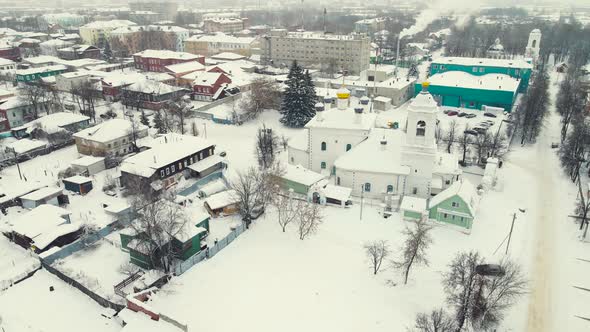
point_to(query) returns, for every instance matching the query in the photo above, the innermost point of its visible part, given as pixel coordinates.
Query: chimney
(358, 114)
(319, 110)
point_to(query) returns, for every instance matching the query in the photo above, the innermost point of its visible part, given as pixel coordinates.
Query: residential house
(16, 111)
(224, 203)
(299, 179)
(51, 46)
(157, 60)
(97, 32)
(181, 69)
(53, 123)
(67, 82)
(89, 165)
(8, 50)
(7, 67)
(150, 94)
(75, 52)
(210, 85)
(168, 159)
(413, 208)
(110, 138)
(34, 74)
(455, 205)
(187, 242)
(44, 227)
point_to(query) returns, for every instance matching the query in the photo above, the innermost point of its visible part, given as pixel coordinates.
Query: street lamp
(512, 227)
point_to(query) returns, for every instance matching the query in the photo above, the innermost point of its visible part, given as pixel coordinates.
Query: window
(324, 146)
(420, 128)
(434, 66)
(367, 187)
(474, 69)
(323, 165)
(455, 204)
(167, 171)
(448, 182)
(162, 173)
(292, 159)
(414, 191)
(462, 219)
(338, 181)
(482, 69)
(389, 189)
(445, 215)
(348, 147)
(453, 217)
(172, 168)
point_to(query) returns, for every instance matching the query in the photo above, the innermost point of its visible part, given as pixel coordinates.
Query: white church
(345, 144)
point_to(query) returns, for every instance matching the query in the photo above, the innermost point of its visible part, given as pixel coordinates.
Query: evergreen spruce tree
(144, 119)
(107, 52)
(159, 123)
(297, 106)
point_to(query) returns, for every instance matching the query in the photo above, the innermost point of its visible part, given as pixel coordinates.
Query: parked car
(446, 111)
(223, 154)
(470, 116)
(554, 145)
(69, 107)
(462, 114)
(490, 115)
(480, 130)
(452, 113)
(471, 132)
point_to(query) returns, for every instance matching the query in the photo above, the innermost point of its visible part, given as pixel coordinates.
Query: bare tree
(377, 252)
(128, 268)
(85, 95)
(194, 129)
(34, 95)
(286, 209)
(436, 321)
(464, 141)
(438, 134)
(158, 223)
(180, 109)
(264, 94)
(267, 147)
(451, 135)
(284, 142)
(310, 217)
(482, 143)
(414, 248)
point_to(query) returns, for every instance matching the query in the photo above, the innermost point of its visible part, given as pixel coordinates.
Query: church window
(348, 147)
(420, 128)
(414, 191)
(367, 187)
(389, 189)
(448, 182)
(338, 181)
(324, 146)
(534, 43)
(323, 165)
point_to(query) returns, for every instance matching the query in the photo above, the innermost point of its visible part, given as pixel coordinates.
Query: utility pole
(511, 228)
(362, 192)
(13, 150)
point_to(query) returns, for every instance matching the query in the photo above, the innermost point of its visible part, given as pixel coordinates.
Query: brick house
(157, 60)
(9, 51)
(209, 85)
(150, 94)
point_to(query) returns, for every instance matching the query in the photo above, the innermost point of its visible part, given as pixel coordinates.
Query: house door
(315, 197)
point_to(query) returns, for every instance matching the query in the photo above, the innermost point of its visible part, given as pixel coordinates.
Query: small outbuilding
(89, 165)
(413, 208)
(79, 184)
(47, 195)
(325, 193)
(300, 179)
(223, 203)
(455, 205)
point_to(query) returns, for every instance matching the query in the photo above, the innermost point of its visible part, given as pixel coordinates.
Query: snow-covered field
(15, 263)
(30, 307)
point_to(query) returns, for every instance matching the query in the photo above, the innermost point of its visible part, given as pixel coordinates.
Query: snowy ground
(97, 268)
(30, 307)
(15, 263)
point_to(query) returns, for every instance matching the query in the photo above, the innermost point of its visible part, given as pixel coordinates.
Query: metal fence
(209, 252)
(200, 183)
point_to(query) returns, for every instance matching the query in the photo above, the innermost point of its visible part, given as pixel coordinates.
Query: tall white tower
(534, 45)
(419, 151)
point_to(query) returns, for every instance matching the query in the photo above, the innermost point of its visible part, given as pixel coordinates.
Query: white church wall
(336, 141)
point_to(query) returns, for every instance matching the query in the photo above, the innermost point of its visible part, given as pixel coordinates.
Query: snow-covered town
(175, 166)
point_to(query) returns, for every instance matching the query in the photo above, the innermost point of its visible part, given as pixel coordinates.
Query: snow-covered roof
(78, 179)
(26, 145)
(167, 54)
(228, 56)
(112, 24)
(446, 163)
(222, 38)
(109, 130)
(222, 199)
(206, 163)
(54, 122)
(87, 161)
(32, 71)
(74, 74)
(462, 79)
(163, 151)
(336, 192)
(57, 43)
(342, 119)
(414, 204)
(374, 157)
(4, 62)
(43, 240)
(383, 99)
(29, 41)
(484, 62)
(185, 67)
(41, 219)
(206, 78)
(302, 175)
(41, 193)
(151, 86)
(462, 188)
(299, 140)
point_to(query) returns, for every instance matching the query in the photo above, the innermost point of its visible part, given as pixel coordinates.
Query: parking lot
(475, 122)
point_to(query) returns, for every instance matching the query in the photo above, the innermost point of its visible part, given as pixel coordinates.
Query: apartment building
(110, 138)
(138, 38)
(167, 9)
(350, 53)
(225, 25)
(96, 33)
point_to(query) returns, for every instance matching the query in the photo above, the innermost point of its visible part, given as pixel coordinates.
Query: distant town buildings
(133, 39)
(212, 44)
(167, 10)
(349, 53)
(157, 60)
(97, 32)
(225, 25)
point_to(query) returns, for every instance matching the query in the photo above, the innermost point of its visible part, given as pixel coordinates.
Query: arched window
(420, 128)
(534, 43)
(324, 146)
(323, 165)
(338, 181)
(367, 187)
(389, 189)
(348, 147)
